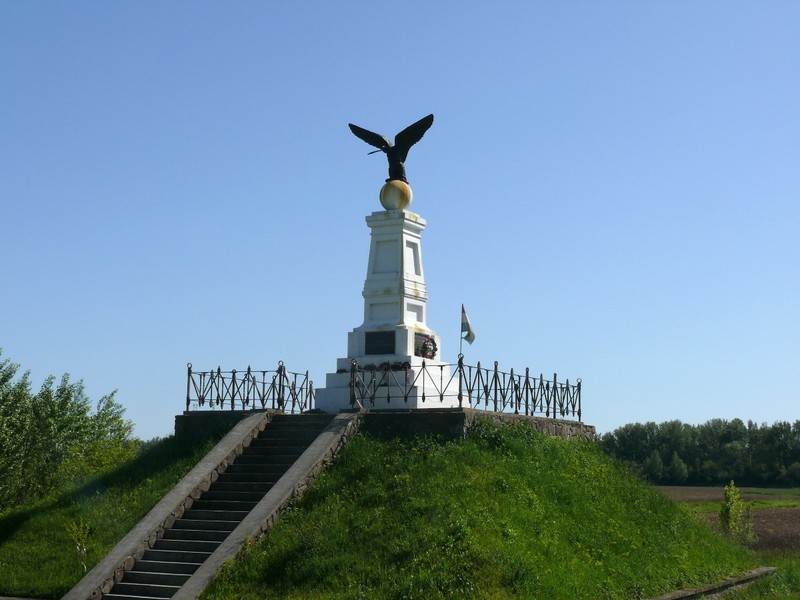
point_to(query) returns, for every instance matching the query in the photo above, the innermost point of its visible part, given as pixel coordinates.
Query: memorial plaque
(379, 342)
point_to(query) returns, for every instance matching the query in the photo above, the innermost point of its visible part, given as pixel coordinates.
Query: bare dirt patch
(714, 494)
(778, 529)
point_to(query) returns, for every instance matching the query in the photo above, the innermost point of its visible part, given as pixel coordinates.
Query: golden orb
(396, 195)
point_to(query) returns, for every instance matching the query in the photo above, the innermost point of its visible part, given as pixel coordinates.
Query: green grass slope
(507, 513)
(38, 541)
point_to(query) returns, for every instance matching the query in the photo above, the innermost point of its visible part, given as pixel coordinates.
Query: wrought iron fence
(477, 387)
(472, 386)
(279, 389)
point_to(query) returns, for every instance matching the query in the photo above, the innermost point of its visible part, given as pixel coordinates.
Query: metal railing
(476, 387)
(279, 389)
(471, 386)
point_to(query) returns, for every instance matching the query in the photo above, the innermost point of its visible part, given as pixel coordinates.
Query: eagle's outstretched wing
(373, 139)
(411, 135)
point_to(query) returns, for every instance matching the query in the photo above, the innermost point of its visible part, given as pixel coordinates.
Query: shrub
(735, 518)
(52, 438)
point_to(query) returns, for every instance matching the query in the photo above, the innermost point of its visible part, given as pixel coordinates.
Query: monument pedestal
(394, 330)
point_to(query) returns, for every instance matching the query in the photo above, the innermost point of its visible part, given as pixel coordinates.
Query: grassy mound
(507, 513)
(39, 542)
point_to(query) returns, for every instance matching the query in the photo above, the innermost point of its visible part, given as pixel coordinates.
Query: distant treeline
(715, 452)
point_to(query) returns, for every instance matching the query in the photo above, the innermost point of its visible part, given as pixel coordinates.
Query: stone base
(335, 396)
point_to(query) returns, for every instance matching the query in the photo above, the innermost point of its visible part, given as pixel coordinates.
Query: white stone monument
(394, 331)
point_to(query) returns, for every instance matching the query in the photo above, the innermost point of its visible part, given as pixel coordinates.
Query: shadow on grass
(155, 457)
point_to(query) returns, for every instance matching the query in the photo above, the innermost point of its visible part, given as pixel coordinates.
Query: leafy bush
(735, 518)
(52, 437)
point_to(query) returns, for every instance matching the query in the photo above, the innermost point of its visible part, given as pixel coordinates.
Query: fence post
(481, 384)
(424, 374)
(281, 385)
(307, 401)
(555, 392)
(544, 392)
(247, 388)
(495, 386)
(233, 389)
(460, 382)
(353, 367)
(216, 385)
(188, 383)
(527, 390)
(579, 401)
(512, 386)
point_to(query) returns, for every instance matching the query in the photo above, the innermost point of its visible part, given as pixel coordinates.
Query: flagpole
(461, 333)
(466, 327)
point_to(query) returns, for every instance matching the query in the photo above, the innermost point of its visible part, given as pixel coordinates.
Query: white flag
(466, 326)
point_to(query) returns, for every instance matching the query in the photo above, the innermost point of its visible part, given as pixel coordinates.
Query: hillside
(38, 539)
(507, 513)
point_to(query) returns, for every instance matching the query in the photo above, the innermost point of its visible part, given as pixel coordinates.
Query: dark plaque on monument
(379, 342)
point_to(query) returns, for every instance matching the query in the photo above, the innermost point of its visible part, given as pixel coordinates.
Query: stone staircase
(191, 539)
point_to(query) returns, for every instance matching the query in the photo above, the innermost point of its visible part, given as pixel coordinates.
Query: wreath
(428, 347)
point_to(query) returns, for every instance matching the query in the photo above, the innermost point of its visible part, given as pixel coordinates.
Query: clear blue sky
(610, 188)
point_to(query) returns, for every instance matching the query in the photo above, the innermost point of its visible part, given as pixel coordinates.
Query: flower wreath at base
(428, 347)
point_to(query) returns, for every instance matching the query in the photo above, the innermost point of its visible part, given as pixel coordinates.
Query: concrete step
(113, 596)
(268, 466)
(274, 452)
(289, 436)
(163, 566)
(240, 496)
(322, 419)
(269, 458)
(258, 472)
(270, 478)
(186, 545)
(176, 556)
(171, 579)
(205, 524)
(289, 431)
(145, 590)
(265, 464)
(215, 515)
(195, 534)
(237, 505)
(243, 486)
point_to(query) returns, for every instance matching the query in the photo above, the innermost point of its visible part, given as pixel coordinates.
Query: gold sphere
(396, 195)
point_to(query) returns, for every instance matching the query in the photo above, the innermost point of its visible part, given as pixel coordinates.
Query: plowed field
(777, 528)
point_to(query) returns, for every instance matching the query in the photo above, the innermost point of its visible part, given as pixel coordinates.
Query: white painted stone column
(394, 291)
(394, 324)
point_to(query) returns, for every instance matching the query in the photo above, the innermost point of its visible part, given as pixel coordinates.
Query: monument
(394, 347)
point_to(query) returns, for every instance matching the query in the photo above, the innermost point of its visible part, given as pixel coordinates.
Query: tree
(714, 452)
(633, 442)
(734, 516)
(52, 438)
(654, 467)
(676, 472)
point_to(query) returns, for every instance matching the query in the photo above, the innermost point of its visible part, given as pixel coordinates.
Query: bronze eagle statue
(395, 152)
